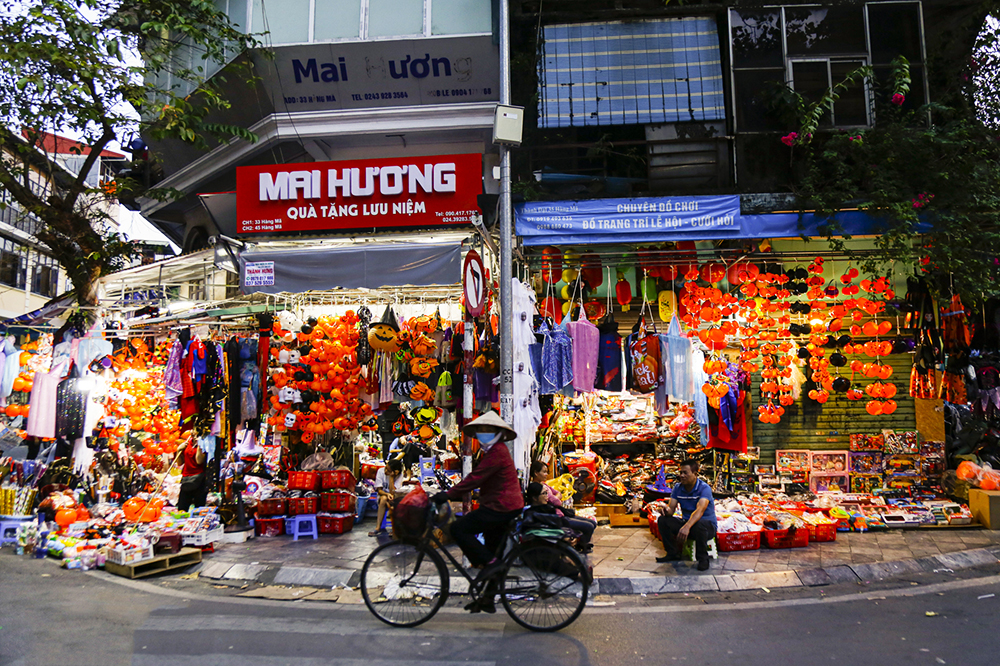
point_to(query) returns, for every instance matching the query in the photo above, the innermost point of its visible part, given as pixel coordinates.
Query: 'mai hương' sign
(358, 194)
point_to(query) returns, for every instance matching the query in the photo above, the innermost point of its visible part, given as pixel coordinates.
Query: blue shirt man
(694, 496)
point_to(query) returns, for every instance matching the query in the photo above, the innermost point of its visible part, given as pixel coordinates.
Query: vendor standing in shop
(194, 486)
(698, 510)
(500, 499)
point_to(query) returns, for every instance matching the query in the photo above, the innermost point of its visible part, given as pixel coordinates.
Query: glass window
(456, 17)
(852, 107)
(391, 18)
(337, 19)
(811, 79)
(818, 30)
(238, 13)
(914, 98)
(752, 112)
(286, 21)
(894, 30)
(756, 38)
(10, 269)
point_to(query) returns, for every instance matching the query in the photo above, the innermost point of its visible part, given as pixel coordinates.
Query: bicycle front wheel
(545, 586)
(404, 585)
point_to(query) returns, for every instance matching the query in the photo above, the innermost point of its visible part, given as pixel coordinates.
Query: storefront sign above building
(365, 75)
(627, 220)
(358, 194)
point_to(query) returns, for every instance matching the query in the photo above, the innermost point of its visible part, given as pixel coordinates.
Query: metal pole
(506, 255)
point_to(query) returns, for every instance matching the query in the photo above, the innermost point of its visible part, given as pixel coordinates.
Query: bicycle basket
(409, 518)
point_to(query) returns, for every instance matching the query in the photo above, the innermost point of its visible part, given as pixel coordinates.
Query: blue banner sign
(627, 220)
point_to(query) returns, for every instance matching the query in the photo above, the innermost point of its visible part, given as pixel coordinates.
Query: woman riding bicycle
(500, 498)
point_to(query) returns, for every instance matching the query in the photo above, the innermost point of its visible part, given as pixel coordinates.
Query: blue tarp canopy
(660, 219)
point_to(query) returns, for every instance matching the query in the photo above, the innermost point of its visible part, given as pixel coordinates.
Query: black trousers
(583, 526)
(491, 524)
(194, 491)
(701, 532)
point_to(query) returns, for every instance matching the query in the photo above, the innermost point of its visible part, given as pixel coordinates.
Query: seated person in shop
(500, 500)
(389, 486)
(538, 501)
(698, 510)
(539, 473)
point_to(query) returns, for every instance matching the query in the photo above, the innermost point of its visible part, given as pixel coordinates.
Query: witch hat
(389, 317)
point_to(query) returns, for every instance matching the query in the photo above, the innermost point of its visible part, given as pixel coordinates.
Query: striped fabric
(626, 73)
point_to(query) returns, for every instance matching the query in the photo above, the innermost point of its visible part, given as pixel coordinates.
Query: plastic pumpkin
(968, 471)
(65, 517)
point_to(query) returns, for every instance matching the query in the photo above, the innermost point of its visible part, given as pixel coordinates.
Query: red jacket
(496, 478)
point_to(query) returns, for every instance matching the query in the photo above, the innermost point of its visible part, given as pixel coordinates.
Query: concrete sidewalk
(624, 560)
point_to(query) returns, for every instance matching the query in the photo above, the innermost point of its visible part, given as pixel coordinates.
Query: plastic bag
(248, 405)
(409, 517)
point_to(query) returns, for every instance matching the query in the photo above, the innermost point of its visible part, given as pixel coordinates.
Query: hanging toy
(623, 292)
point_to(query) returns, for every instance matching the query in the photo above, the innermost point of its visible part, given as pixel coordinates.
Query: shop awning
(659, 219)
(366, 266)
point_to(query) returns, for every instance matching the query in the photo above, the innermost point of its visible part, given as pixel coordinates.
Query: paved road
(73, 619)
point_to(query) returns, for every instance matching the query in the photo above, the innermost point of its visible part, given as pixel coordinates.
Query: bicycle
(543, 584)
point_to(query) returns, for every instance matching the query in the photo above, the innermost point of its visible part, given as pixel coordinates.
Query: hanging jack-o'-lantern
(384, 335)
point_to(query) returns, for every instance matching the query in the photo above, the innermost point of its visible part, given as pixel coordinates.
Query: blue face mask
(487, 438)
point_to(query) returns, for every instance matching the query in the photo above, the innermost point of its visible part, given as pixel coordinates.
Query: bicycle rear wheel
(404, 585)
(545, 586)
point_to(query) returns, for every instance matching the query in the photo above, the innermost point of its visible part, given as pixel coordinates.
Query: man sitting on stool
(698, 509)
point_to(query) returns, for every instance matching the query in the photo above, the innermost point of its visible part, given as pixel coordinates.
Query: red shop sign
(358, 194)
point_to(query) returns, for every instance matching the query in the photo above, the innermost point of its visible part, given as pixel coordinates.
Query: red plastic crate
(337, 479)
(335, 523)
(729, 542)
(787, 538)
(302, 505)
(338, 502)
(370, 469)
(826, 532)
(302, 480)
(272, 507)
(269, 527)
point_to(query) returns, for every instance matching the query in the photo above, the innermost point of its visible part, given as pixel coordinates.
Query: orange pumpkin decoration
(65, 517)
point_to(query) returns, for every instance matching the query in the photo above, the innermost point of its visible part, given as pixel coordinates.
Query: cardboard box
(628, 520)
(608, 509)
(985, 507)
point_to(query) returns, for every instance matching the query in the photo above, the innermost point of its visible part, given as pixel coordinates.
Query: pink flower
(898, 99)
(790, 139)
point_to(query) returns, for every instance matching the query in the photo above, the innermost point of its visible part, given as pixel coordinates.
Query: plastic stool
(426, 466)
(302, 525)
(713, 552)
(8, 528)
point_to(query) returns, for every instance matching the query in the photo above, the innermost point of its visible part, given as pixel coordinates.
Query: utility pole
(506, 235)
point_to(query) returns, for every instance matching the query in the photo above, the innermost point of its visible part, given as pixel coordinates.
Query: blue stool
(303, 525)
(8, 528)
